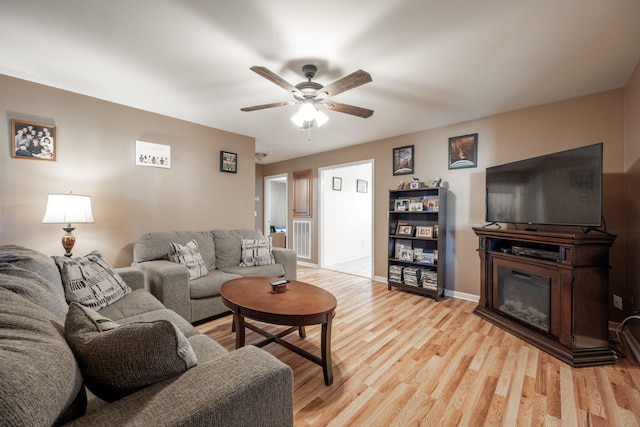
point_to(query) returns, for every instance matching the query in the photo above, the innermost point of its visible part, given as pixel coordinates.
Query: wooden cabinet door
(302, 194)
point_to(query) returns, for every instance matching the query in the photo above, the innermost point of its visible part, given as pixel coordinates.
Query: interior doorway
(345, 226)
(275, 209)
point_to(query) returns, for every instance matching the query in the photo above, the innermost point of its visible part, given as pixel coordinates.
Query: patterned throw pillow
(256, 252)
(90, 280)
(189, 256)
(117, 360)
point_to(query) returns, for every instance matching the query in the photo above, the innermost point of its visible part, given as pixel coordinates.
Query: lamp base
(68, 240)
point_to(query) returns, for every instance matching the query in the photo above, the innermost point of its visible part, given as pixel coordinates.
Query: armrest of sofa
(169, 282)
(245, 387)
(134, 277)
(289, 260)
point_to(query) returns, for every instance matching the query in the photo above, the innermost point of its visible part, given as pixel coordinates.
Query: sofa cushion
(34, 288)
(137, 302)
(165, 314)
(41, 382)
(189, 256)
(90, 280)
(229, 245)
(209, 286)
(273, 270)
(153, 246)
(33, 261)
(119, 360)
(256, 252)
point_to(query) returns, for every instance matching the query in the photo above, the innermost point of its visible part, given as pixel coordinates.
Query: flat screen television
(563, 188)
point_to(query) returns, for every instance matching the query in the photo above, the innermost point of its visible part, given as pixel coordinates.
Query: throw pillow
(256, 252)
(189, 256)
(117, 360)
(90, 280)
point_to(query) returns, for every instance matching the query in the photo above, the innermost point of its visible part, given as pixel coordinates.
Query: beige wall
(632, 191)
(502, 138)
(95, 156)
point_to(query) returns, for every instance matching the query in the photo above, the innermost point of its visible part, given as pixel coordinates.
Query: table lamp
(67, 209)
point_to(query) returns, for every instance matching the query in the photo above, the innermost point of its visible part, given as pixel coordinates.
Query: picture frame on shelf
(228, 162)
(424, 231)
(430, 204)
(336, 185)
(404, 229)
(33, 141)
(402, 245)
(427, 258)
(403, 161)
(463, 151)
(435, 231)
(361, 186)
(406, 255)
(415, 204)
(401, 205)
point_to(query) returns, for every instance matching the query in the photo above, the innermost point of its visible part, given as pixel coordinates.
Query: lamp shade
(68, 208)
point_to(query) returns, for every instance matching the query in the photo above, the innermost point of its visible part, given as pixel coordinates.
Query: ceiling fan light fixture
(308, 110)
(321, 118)
(297, 119)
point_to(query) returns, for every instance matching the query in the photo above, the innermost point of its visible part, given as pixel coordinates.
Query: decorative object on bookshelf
(463, 151)
(424, 231)
(404, 229)
(415, 204)
(430, 204)
(401, 204)
(402, 246)
(403, 160)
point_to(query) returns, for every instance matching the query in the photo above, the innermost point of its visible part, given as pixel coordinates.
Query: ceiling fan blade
(274, 78)
(348, 109)
(263, 106)
(351, 81)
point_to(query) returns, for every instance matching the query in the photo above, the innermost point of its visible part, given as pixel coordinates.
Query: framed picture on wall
(337, 183)
(31, 140)
(361, 185)
(228, 162)
(463, 151)
(403, 160)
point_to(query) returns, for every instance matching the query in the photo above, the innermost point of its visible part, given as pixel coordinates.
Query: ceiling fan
(313, 95)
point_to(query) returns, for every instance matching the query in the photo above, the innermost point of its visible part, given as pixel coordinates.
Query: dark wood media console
(576, 268)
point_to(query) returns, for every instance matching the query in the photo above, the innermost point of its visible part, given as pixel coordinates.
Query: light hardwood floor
(401, 359)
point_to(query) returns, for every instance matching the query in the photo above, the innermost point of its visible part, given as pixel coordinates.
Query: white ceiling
(433, 62)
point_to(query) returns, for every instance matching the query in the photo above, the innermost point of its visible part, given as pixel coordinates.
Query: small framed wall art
(463, 151)
(30, 140)
(228, 162)
(361, 185)
(337, 183)
(403, 160)
(153, 155)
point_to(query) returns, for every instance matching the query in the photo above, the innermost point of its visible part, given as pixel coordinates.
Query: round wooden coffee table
(302, 304)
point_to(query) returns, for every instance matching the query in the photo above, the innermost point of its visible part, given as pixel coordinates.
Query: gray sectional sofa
(50, 349)
(199, 298)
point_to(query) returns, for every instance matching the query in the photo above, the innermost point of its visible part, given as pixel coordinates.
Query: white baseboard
(307, 264)
(461, 295)
(447, 292)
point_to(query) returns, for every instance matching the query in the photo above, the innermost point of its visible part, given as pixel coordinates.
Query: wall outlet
(617, 301)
